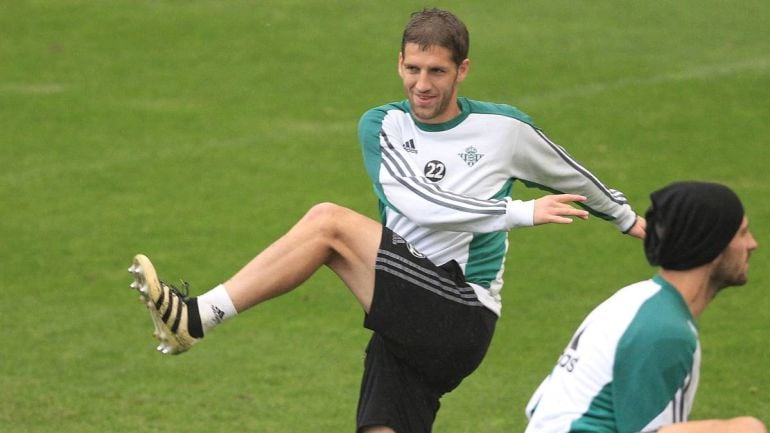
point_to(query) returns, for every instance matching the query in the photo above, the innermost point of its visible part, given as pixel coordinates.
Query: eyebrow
(429, 67)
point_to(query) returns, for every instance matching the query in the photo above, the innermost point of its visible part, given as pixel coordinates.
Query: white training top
(446, 188)
(632, 366)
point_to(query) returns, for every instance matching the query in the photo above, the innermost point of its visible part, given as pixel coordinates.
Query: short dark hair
(438, 27)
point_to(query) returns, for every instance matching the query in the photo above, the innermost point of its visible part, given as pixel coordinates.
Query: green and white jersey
(446, 188)
(632, 366)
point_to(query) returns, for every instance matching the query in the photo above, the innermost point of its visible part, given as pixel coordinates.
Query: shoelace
(185, 296)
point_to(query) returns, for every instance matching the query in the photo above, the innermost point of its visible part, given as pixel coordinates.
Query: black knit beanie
(690, 223)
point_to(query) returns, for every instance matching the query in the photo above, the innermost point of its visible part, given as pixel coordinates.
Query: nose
(752, 242)
(423, 83)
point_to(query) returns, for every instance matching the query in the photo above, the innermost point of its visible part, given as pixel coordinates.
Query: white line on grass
(32, 88)
(696, 73)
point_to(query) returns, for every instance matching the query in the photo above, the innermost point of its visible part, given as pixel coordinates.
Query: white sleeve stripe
(612, 194)
(675, 408)
(682, 394)
(678, 402)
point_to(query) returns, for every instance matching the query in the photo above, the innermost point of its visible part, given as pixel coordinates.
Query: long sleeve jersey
(632, 366)
(446, 188)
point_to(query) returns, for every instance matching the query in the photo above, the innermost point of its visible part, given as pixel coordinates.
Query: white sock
(215, 306)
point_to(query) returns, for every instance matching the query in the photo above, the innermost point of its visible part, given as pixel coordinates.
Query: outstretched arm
(541, 163)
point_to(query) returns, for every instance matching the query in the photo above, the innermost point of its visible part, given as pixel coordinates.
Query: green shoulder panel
(369, 127)
(653, 359)
(482, 107)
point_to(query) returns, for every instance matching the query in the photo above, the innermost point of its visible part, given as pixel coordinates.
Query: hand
(556, 209)
(639, 229)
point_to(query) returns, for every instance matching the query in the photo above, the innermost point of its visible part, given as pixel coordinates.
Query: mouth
(423, 99)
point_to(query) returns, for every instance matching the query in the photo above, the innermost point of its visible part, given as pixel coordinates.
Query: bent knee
(325, 211)
(327, 217)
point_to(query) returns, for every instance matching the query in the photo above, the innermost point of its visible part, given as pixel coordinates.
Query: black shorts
(430, 332)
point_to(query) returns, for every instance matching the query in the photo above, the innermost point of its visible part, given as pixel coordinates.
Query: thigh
(354, 240)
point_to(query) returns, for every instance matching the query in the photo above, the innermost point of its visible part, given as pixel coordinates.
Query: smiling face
(733, 263)
(430, 78)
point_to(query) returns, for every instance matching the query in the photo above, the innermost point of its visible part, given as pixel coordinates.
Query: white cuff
(520, 213)
(627, 220)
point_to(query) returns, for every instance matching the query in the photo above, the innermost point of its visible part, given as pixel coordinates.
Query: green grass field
(198, 131)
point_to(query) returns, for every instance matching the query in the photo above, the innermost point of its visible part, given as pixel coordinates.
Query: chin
(739, 281)
(424, 117)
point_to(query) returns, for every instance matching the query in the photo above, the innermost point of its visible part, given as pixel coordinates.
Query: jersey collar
(465, 111)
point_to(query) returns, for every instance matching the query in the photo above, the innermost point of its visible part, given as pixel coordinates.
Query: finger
(560, 220)
(555, 219)
(565, 215)
(566, 198)
(564, 209)
(572, 212)
(558, 209)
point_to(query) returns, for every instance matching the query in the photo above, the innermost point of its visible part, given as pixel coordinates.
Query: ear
(462, 70)
(400, 64)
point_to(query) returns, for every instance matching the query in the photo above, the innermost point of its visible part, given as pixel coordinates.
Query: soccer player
(428, 274)
(633, 364)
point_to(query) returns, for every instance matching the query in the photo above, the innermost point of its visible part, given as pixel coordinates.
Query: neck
(694, 285)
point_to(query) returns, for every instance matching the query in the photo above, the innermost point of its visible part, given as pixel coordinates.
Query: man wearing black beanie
(693, 222)
(633, 364)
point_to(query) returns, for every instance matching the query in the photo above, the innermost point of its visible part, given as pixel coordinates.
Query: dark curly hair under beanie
(690, 223)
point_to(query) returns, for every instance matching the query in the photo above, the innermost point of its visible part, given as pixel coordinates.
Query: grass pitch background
(197, 132)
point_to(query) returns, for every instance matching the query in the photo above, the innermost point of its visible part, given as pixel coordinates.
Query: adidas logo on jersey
(409, 146)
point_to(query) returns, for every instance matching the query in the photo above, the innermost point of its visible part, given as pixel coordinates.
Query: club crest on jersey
(471, 156)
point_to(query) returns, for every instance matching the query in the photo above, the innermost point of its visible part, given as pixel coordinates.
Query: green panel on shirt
(487, 251)
(653, 358)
